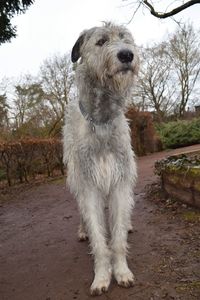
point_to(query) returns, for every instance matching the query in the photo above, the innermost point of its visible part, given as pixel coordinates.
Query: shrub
(143, 135)
(2, 175)
(180, 133)
(24, 159)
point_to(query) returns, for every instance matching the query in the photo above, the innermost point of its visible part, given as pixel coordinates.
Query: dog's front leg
(92, 210)
(120, 207)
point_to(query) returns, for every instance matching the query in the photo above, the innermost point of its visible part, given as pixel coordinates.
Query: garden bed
(180, 177)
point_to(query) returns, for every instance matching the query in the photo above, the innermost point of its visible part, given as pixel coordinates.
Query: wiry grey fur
(97, 148)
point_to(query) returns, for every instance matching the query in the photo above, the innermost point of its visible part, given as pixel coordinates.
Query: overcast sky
(52, 26)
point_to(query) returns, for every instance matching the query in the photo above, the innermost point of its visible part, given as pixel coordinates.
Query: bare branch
(172, 12)
(137, 8)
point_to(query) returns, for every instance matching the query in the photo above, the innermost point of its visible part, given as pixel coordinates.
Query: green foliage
(2, 174)
(179, 133)
(8, 8)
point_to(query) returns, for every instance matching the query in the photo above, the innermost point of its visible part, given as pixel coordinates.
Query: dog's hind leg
(120, 206)
(92, 209)
(82, 233)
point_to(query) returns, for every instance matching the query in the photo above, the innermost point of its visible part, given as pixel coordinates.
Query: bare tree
(155, 88)
(4, 107)
(184, 53)
(38, 104)
(27, 94)
(57, 79)
(20, 106)
(29, 108)
(169, 74)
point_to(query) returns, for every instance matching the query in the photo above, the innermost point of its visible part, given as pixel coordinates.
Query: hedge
(24, 159)
(144, 137)
(180, 133)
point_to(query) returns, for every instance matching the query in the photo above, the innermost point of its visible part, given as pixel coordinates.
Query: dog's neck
(99, 105)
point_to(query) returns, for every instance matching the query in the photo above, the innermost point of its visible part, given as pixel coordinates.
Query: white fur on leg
(92, 208)
(102, 277)
(121, 202)
(122, 273)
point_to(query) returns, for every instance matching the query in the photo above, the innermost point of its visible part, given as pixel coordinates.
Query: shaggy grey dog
(97, 148)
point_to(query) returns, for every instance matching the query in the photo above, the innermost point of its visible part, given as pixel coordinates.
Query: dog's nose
(125, 56)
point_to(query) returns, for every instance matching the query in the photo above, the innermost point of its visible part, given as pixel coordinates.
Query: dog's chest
(108, 164)
(106, 171)
(103, 157)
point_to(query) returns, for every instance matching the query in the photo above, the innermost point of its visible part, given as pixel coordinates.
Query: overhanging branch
(172, 12)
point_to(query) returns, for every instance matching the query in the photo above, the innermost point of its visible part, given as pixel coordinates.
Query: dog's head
(109, 54)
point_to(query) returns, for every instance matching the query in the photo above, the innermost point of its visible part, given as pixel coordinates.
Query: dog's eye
(121, 35)
(101, 42)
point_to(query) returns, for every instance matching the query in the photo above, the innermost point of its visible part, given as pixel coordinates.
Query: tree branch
(172, 12)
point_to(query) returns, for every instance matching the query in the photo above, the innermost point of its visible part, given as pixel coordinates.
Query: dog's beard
(113, 76)
(121, 80)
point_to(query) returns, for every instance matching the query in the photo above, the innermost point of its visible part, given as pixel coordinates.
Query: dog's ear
(76, 50)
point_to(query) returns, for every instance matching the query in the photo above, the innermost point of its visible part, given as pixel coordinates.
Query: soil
(41, 259)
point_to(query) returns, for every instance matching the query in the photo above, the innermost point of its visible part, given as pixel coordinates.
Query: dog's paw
(100, 284)
(130, 229)
(82, 236)
(99, 288)
(125, 278)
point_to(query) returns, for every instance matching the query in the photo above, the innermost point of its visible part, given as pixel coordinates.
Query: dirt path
(41, 259)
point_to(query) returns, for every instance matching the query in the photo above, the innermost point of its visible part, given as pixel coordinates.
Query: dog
(97, 148)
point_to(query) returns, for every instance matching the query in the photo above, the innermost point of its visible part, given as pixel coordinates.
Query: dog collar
(86, 116)
(91, 121)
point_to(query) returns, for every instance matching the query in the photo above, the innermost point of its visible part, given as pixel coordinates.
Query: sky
(52, 26)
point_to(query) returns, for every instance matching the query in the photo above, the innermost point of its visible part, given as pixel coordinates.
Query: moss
(191, 216)
(58, 180)
(194, 285)
(174, 178)
(181, 180)
(185, 170)
(180, 164)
